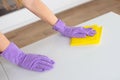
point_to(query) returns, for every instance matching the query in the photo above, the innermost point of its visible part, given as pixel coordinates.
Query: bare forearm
(41, 10)
(4, 42)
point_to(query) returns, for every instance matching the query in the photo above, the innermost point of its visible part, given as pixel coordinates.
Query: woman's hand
(78, 32)
(29, 61)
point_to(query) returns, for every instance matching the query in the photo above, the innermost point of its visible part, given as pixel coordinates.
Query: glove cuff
(59, 26)
(12, 53)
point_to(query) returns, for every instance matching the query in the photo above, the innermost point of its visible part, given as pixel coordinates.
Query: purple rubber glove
(33, 62)
(78, 32)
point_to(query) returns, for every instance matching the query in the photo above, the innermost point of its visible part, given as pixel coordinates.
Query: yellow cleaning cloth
(88, 40)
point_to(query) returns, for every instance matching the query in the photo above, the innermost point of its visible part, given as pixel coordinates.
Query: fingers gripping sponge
(88, 40)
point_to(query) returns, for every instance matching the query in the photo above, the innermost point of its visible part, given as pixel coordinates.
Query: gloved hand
(33, 62)
(78, 32)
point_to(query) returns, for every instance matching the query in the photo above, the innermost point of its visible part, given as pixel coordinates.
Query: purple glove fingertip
(90, 32)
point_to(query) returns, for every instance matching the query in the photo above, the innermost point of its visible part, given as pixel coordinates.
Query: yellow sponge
(88, 40)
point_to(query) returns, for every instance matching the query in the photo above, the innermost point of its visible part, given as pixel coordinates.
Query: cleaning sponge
(88, 40)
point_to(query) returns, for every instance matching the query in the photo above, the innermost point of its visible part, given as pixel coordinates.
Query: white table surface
(3, 75)
(96, 62)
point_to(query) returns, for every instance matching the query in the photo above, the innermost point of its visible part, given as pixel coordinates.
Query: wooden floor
(39, 30)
